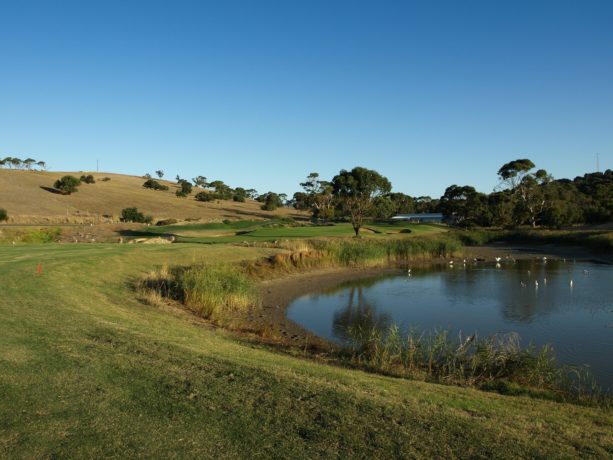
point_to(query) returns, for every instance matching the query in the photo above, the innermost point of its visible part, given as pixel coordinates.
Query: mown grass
(282, 229)
(88, 371)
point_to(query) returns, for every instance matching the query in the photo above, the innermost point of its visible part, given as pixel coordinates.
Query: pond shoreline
(278, 293)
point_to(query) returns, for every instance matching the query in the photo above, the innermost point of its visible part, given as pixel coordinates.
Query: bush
(180, 194)
(133, 215)
(186, 187)
(89, 179)
(205, 196)
(105, 179)
(3, 215)
(239, 198)
(67, 184)
(155, 185)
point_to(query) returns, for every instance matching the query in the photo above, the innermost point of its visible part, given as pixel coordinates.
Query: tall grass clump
(496, 363)
(212, 292)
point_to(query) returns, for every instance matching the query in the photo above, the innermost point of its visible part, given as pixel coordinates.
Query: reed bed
(351, 252)
(211, 292)
(498, 362)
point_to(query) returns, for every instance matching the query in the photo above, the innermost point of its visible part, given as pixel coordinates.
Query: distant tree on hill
(200, 181)
(28, 163)
(147, 176)
(271, 201)
(133, 215)
(186, 188)
(317, 197)
(160, 173)
(42, 165)
(3, 215)
(89, 179)
(155, 185)
(205, 196)
(356, 190)
(239, 194)
(67, 184)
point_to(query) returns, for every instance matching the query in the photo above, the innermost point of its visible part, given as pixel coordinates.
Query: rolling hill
(29, 198)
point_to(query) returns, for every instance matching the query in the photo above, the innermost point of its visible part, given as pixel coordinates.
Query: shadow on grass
(51, 190)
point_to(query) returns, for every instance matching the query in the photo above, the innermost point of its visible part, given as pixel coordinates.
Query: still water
(568, 305)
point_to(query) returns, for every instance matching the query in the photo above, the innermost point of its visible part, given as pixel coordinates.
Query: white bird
(544, 280)
(536, 284)
(571, 283)
(523, 284)
(498, 259)
(544, 259)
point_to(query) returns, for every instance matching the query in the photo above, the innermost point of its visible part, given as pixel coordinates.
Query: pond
(566, 304)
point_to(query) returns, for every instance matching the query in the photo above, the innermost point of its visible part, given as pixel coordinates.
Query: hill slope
(29, 198)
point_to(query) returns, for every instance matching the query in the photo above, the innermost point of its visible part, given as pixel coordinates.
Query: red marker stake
(39, 269)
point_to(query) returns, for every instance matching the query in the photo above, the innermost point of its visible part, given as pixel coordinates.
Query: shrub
(238, 198)
(155, 185)
(180, 194)
(133, 215)
(186, 187)
(67, 184)
(105, 179)
(3, 215)
(205, 196)
(89, 179)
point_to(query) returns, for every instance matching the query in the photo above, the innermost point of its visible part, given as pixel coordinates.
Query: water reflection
(360, 313)
(534, 298)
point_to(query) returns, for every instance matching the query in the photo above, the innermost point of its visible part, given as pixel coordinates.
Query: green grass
(88, 371)
(273, 230)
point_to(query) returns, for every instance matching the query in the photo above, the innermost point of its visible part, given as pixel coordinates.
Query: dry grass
(23, 195)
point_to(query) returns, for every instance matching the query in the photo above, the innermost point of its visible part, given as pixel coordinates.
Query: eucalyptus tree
(356, 190)
(526, 189)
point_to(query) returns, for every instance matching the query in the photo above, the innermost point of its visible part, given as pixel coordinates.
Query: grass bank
(88, 371)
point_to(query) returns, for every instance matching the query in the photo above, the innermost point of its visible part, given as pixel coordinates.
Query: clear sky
(261, 93)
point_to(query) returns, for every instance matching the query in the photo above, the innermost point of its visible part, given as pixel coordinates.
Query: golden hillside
(29, 198)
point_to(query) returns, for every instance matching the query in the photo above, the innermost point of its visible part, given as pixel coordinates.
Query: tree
(3, 215)
(16, 162)
(317, 197)
(464, 206)
(89, 179)
(239, 194)
(155, 185)
(159, 173)
(67, 184)
(186, 188)
(133, 215)
(200, 181)
(28, 162)
(272, 201)
(525, 188)
(42, 165)
(356, 190)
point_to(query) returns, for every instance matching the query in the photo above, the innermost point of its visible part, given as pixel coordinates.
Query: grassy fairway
(253, 231)
(86, 371)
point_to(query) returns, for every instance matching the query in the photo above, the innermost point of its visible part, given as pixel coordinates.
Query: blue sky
(261, 93)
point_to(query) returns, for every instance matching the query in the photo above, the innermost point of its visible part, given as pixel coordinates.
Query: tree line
(524, 196)
(17, 163)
